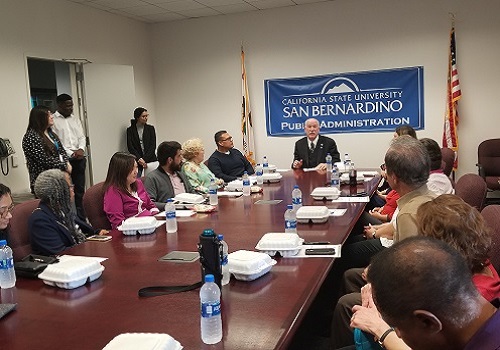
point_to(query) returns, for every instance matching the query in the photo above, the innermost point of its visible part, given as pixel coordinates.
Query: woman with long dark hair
(125, 195)
(41, 146)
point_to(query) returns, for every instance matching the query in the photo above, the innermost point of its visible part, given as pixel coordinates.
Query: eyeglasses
(230, 138)
(5, 210)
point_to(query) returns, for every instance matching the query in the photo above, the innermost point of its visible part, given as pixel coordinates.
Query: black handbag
(32, 265)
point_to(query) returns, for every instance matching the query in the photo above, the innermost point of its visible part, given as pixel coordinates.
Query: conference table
(261, 314)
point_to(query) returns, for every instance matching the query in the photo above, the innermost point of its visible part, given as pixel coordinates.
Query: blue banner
(370, 101)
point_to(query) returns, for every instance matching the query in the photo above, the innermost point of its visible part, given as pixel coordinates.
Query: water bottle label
(290, 224)
(170, 214)
(297, 200)
(246, 182)
(224, 260)
(335, 182)
(259, 173)
(212, 191)
(265, 165)
(210, 309)
(6, 264)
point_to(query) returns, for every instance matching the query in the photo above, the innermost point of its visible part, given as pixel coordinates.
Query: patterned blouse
(37, 159)
(199, 176)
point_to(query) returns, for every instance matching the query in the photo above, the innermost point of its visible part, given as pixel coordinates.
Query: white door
(109, 100)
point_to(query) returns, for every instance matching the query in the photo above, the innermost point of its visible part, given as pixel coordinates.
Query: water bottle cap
(220, 237)
(245, 173)
(3, 242)
(209, 278)
(170, 200)
(208, 232)
(289, 206)
(296, 186)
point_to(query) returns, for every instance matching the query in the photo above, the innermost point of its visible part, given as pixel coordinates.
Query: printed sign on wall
(370, 101)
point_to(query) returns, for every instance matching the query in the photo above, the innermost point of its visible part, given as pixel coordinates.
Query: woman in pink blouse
(125, 195)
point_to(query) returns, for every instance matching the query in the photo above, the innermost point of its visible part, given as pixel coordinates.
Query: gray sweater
(159, 186)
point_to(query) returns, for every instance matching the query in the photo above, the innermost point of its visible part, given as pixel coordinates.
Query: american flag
(246, 116)
(450, 132)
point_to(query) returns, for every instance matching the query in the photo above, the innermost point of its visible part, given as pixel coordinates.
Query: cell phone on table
(98, 238)
(320, 251)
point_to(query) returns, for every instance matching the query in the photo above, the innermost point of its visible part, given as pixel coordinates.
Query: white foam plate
(71, 273)
(329, 193)
(316, 214)
(285, 243)
(143, 224)
(143, 341)
(246, 265)
(191, 198)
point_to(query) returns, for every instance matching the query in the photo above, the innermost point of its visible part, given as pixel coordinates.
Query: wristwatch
(384, 335)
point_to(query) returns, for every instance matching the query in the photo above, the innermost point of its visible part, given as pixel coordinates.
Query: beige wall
(188, 73)
(197, 66)
(59, 29)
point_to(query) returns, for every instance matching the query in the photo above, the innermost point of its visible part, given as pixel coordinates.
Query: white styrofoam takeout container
(246, 265)
(328, 193)
(316, 214)
(344, 178)
(143, 341)
(71, 273)
(191, 198)
(143, 224)
(287, 244)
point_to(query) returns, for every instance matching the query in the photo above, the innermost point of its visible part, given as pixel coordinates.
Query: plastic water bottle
(246, 184)
(211, 321)
(170, 216)
(7, 274)
(329, 166)
(347, 162)
(226, 275)
(290, 220)
(212, 193)
(258, 172)
(353, 176)
(265, 165)
(335, 178)
(296, 197)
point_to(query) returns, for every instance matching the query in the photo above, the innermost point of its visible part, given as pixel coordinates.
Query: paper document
(354, 199)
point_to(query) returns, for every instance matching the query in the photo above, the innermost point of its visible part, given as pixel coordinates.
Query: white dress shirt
(70, 132)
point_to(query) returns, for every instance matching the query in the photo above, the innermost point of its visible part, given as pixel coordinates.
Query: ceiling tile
(183, 5)
(213, 3)
(268, 4)
(203, 12)
(164, 17)
(117, 4)
(235, 8)
(144, 10)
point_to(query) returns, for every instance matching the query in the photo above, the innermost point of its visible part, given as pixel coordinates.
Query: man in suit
(167, 180)
(311, 150)
(141, 139)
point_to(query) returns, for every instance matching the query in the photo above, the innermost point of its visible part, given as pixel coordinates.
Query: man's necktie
(312, 147)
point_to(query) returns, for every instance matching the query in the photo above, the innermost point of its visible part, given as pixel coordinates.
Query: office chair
(491, 215)
(93, 204)
(19, 236)
(448, 158)
(488, 163)
(472, 189)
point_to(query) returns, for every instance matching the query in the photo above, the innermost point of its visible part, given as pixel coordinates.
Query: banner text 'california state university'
(346, 103)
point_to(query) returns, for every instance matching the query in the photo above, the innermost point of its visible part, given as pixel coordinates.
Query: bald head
(421, 278)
